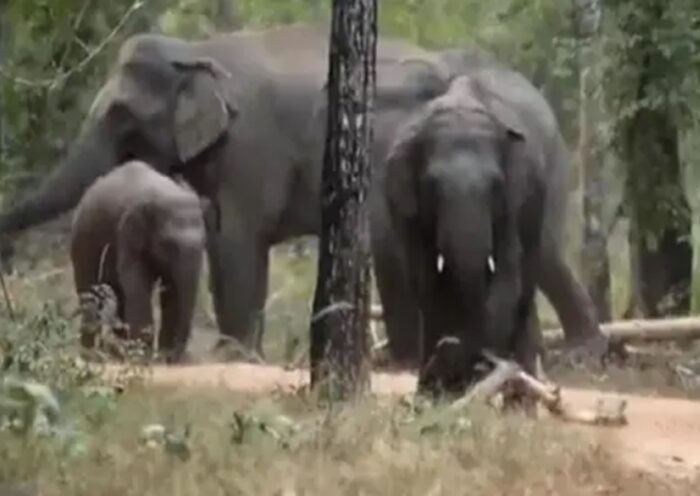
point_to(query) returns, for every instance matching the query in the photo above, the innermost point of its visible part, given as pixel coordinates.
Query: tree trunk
(339, 348)
(4, 38)
(595, 263)
(225, 17)
(659, 211)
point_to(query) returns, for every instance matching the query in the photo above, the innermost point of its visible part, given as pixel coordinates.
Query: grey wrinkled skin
(135, 227)
(241, 117)
(466, 179)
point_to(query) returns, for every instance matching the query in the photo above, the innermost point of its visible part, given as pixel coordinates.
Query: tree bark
(225, 17)
(341, 308)
(595, 263)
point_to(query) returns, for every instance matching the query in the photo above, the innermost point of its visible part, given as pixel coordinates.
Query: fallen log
(638, 330)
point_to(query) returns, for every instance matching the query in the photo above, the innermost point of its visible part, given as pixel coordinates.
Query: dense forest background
(623, 77)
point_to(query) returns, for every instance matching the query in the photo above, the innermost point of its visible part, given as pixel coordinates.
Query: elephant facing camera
(133, 229)
(464, 185)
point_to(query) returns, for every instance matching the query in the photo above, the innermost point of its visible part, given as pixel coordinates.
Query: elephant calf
(133, 227)
(464, 189)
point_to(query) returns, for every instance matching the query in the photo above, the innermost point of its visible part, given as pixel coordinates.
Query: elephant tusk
(492, 264)
(440, 262)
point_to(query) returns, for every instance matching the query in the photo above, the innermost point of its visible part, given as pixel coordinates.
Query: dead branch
(550, 396)
(490, 385)
(60, 78)
(644, 330)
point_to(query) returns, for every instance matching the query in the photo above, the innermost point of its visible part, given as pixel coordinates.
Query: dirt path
(663, 434)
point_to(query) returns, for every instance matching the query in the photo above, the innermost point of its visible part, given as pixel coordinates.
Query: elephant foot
(229, 349)
(174, 357)
(445, 373)
(591, 353)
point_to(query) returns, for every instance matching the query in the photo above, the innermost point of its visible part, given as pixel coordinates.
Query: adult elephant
(402, 318)
(236, 115)
(465, 187)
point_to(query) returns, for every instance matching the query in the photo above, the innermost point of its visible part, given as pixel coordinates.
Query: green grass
(373, 447)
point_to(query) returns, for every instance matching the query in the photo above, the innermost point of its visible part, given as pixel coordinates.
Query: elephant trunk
(464, 244)
(88, 158)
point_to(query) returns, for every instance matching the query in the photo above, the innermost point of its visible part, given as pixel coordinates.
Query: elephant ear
(501, 111)
(135, 227)
(204, 106)
(403, 163)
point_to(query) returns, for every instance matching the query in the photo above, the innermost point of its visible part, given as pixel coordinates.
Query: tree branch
(55, 81)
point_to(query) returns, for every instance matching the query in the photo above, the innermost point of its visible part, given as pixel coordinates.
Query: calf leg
(137, 283)
(177, 301)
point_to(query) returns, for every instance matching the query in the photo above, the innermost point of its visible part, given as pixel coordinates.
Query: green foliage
(652, 81)
(56, 54)
(41, 346)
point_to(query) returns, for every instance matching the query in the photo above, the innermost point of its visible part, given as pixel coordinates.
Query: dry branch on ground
(549, 395)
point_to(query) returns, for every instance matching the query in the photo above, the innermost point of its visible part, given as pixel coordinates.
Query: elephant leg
(177, 302)
(527, 338)
(399, 305)
(137, 283)
(573, 305)
(86, 265)
(261, 287)
(176, 318)
(238, 282)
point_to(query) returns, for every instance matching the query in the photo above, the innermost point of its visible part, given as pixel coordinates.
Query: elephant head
(452, 183)
(162, 103)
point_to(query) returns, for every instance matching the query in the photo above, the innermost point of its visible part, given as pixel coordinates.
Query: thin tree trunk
(595, 263)
(6, 249)
(659, 211)
(225, 17)
(339, 347)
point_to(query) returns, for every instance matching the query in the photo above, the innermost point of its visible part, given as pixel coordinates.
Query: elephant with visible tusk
(465, 187)
(241, 117)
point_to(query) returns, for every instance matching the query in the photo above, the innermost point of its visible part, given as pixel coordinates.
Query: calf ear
(204, 106)
(136, 226)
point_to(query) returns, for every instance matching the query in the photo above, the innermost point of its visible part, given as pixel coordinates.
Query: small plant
(43, 347)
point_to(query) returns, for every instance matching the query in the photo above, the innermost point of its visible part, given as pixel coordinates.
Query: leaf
(176, 444)
(153, 435)
(173, 443)
(36, 409)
